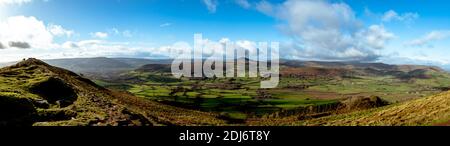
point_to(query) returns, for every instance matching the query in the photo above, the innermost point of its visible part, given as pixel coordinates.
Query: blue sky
(390, 31)
(144, 17)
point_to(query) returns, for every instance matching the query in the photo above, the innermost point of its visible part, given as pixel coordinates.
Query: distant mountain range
(103, 65)
(357, 65)
(99, 63)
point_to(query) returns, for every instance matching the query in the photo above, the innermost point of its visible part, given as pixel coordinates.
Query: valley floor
(241, 102)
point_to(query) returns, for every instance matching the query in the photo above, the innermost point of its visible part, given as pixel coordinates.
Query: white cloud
(265, 7)
(89, 42)
(243, 3)
(69, 45)
(420, 58)
(84, 44)
(405, 17)
(211, 5)
(377, 36)
(210, 47)
(26, 29)
(19, 45)
(428, 38)
(58, 30)
(12, 2)
(389, 15)
(84, 48)
(165, 24)
(101, 35)
(322, 30)
(24, 37)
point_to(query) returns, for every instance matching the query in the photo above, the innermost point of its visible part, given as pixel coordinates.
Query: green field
(241, 97)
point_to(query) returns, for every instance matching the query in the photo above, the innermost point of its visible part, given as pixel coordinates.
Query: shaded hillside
(347, 65)
(310, 72)
(83, 65)
(157, 68)
(308, 69)
(102, 67)
(35, 93)
(102, 64)
(359, 66)
(136, 62)
(347, 105)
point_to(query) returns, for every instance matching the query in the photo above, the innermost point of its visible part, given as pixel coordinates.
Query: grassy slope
(431, 110)
(94, 105)
(426, 111)
(168, 115)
